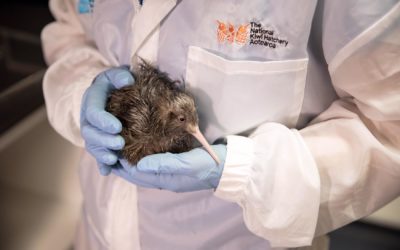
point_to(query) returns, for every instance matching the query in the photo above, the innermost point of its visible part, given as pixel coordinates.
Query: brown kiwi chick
(156, 115)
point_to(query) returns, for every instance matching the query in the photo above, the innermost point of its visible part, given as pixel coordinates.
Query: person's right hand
(100, 129)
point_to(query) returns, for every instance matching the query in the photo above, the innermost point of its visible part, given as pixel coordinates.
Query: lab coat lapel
(147, 21)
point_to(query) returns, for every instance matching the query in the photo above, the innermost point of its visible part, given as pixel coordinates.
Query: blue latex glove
(184, 172)
(99, 128)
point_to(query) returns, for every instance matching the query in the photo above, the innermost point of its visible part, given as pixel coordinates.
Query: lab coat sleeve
(73, 63)
(295, 184)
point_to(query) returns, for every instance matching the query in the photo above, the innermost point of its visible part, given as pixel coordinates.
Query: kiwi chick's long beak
(200, 137)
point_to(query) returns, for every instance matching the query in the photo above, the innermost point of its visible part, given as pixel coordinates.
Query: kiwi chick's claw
(157, 116)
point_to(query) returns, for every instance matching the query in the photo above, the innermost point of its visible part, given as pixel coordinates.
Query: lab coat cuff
(63, 85)
(237, 168)
(272, 176)
(83, 83)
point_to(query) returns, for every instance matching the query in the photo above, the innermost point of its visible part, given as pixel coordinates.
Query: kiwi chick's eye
(181, 118)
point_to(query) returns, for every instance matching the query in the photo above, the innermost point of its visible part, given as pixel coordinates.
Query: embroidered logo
(253, 33)
(226, 32)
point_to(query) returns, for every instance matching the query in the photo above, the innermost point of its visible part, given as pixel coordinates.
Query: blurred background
(39, 189)
(39, 192)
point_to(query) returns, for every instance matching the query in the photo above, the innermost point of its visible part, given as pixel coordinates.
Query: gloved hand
(99, 128)
(184, 172)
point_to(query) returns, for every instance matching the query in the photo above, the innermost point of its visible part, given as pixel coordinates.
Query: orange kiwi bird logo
(226, 32)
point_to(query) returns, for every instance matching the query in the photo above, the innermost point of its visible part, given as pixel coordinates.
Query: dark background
(21, 58)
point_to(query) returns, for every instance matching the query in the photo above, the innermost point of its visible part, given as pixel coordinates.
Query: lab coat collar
(147, 20)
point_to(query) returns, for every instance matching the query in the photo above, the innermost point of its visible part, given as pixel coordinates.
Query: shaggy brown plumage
(156, 114)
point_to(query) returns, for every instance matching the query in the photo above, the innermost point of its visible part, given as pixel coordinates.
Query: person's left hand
(184, 172)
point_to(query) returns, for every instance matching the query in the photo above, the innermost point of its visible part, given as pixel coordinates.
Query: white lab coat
(285, 179)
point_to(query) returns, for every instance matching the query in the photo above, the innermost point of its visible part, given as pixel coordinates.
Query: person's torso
(246, 63)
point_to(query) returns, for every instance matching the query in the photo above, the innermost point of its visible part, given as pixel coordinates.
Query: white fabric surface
(291, 184)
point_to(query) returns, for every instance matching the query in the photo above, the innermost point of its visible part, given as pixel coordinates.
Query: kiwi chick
(156, 115)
